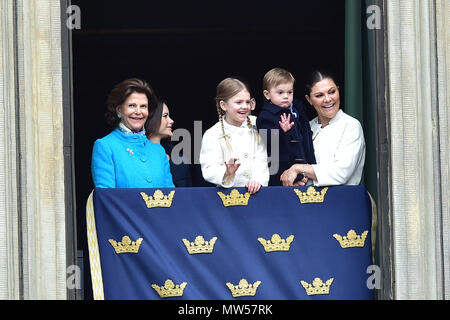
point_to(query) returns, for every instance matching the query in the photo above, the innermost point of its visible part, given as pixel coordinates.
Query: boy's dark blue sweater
(296, 145)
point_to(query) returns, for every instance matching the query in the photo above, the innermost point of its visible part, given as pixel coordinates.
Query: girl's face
(324, 97)
(237, 108)
(134, 111)
(165, 129)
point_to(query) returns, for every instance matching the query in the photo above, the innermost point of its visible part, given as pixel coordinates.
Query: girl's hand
(232, 166)
(253, 186)
(285, 123)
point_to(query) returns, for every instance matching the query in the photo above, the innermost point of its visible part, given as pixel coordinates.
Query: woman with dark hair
(338, 139)
(125, 158)
(159, 130)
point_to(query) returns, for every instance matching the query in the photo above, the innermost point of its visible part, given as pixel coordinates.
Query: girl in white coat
(232, 153)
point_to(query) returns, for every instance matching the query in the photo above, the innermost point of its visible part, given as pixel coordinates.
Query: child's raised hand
(285, 123)
(253, 186)
(232, 166)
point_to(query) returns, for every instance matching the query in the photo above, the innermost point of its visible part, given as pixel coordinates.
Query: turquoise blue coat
(122, 160)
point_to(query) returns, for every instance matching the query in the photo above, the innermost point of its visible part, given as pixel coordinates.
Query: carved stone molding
(31, 109)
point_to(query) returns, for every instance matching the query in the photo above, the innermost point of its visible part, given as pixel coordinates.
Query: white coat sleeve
(348, 158)
(212, 160)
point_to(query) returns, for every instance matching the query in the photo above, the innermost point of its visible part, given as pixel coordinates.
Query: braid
(220, 112)
(250, 126)
(249, 123)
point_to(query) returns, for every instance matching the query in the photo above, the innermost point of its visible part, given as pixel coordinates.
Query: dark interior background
(184, 49)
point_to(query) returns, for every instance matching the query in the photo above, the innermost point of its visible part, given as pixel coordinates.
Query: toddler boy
(285, 116)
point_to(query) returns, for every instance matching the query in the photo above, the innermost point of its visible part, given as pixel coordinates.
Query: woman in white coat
(338, 139)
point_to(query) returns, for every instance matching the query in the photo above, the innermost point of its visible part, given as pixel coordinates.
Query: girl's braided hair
(225, 90)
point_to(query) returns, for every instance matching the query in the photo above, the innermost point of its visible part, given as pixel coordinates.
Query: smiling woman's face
(134, 111)
(324, 97)
(165, 129)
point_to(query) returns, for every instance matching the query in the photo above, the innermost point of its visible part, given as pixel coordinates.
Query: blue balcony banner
(283, 243)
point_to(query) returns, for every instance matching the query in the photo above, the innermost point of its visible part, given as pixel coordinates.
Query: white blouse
(340, 151)
(245, 146)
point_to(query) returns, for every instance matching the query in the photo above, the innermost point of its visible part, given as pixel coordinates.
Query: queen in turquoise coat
(125, 158)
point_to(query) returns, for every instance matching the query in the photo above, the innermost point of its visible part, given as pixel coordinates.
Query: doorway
(184, 49)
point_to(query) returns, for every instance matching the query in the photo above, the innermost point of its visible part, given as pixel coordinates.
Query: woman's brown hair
(122, 91)
(153, 124)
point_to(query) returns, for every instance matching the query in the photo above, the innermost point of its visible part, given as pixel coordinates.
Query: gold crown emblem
(126, 246)
(277, 243)
(311, 195)
(243, 288)
(235, 198)
(199, 245)
(158, 199)
(170, 289)
(352, 239)
(317, 286)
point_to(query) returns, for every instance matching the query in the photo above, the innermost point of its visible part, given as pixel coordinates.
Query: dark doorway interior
(183, 49)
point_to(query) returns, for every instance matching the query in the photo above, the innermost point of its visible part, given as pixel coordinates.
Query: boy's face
(281, 95)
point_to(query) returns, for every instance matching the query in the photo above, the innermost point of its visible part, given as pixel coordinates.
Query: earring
(119, 116)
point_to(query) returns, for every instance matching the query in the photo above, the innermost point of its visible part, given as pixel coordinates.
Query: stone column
(442, 123)
(32, 135)
(9, 216)
(419, 145)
